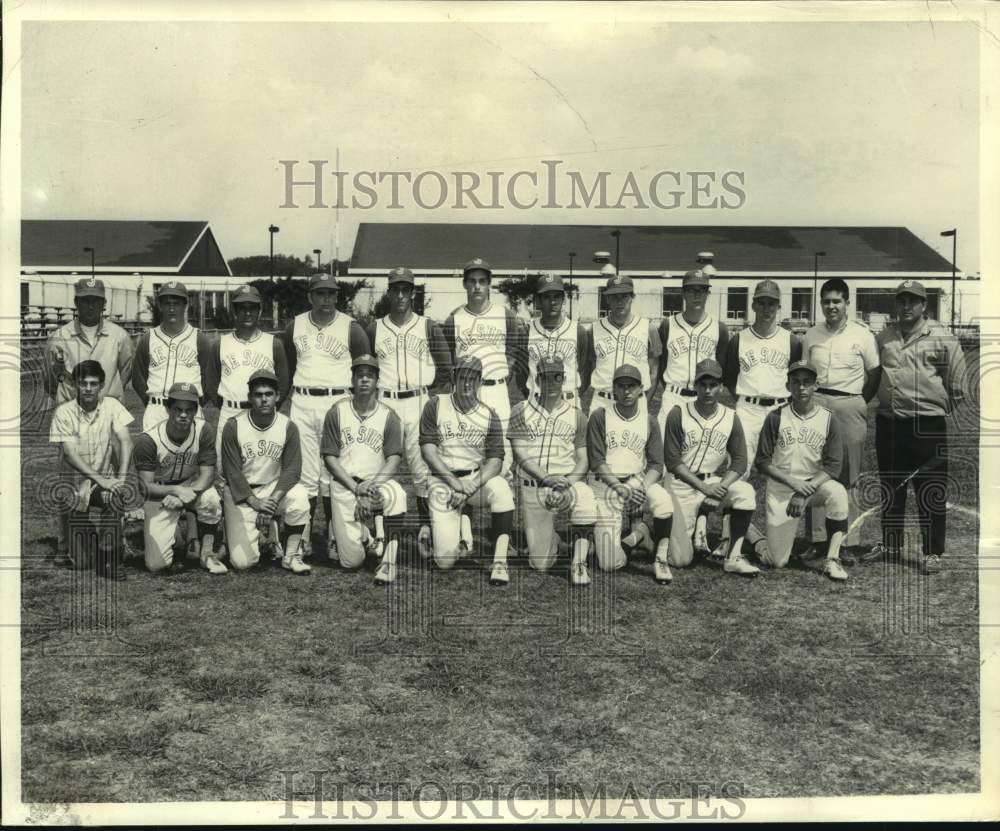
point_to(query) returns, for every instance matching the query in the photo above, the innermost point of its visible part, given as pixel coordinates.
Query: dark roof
(117, 244)
(754, 248)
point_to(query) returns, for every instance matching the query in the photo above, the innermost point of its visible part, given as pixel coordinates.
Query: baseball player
(548, 436)
(494, 335)
(622, 338)
(95, 451)
(625, 453)
(176, 462)
(238, 354)
(88, 337)
(362, 447)
(923, 379)
(319, 347)
(414, 363)
(698, 437)
(688, 337)
(463, 444)
(845, 356)
(170, 353)
(554, 335)
(755, 368)
(800, 454)
(262, 463)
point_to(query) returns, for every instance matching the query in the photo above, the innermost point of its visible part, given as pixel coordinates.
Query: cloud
(711, 59)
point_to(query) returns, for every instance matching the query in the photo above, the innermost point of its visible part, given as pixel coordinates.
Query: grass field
(208, 688)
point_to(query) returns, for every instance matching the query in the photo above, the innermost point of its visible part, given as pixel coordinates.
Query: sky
(829, 123)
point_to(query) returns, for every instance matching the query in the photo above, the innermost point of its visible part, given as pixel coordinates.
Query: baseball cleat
(213, 565)
(878, 553)
(721, 551)
(385, 573)
(424, 545)
(499, 576)
(661, 571)
(579, 576)
(739, 565)
(193, 550)
(305, 547)
(700, 543)
(931, 564)
(465, 534)
(295, 565)
(332, 552)
(834, 570)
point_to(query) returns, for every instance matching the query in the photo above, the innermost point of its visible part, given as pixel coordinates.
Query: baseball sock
(580, 537)
(206, 533)
(423, 510)
(501, 525)
(633, 536)
(328, 511)
(835, 531)
(293, 533)
(661, 531)
(740, 521)
(394, 526)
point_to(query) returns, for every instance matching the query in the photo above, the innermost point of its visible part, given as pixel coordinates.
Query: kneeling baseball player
(462, 442)
(697, 438)
(626, 462)
(801, 453)
(362, 446)
(176, 460)
(548, 436)
(261, 464)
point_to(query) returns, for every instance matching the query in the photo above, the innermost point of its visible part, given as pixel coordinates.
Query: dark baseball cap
(709, 367)
(550, 281)
(89, 287)
(697, 277)
(401, 275)
(322, 280)
(364, 360)
(627, 372)
(767, 288)
(183, 391)
(262, 375)
(912, 287)
(797, 365)
(245, 294)
(173, 289)
(550, 364)
(477, 264)
(619, 284)
(470, 363)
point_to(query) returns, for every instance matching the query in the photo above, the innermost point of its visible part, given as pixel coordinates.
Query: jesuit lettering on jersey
(704, 345)
(564, 348)
(634, 347)
(481, 333)
(247, 358)
(556, 427)
(320, 342)
(160, 354)
(767, 356)
(411, 344)
(813, 439)
(627, 440)
(364, 435)
(262, 448)
(714, 439)
(467, 433)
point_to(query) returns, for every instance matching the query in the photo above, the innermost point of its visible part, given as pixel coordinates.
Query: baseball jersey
(361, 443)
(568, 341)
(410, 356)
(321, 356)
(493, 336)
(91, 431)
(464, 440)
(685, 344)
(702, 443)
(757, 365)
(632, 343)
(801, 446)
(172, 463)
(162, 361)
(233, 361)
(254, 456)
(628, 445)
(843, 357)
(551, 438)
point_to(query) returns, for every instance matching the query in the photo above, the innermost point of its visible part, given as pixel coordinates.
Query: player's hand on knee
(456, 499)
(805, 488)
(269, 505)
(556, 483)
(263, 522)
(185, 494)
(795, 506)
(636, 497)
(172, 503)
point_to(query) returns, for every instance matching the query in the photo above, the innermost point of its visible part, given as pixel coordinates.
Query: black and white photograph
(467, 412)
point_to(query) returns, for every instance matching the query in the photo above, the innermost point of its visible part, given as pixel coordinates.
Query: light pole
(953, 233)
(618, 250)
(572, 254)
(272, 230)
(317, 252)
(91, 250)
(816, 256)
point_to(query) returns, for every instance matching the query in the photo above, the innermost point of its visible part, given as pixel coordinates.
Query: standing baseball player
(236, 355)
(622, 338)
(173, 352)
(845, 356)
(92, 432)
(800, 454)
(262, 463)
(554, 335)
(362, 447)
(414, 363)
(494, 335)
(88, 337)
(923, 379)
(319, 347)
(176, 462)
(625, 453)
(463, 444)
(698, 438)
(548, 435)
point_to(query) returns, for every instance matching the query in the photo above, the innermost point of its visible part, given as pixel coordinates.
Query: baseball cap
(322, 280)
(262, 375)
(89, 287)
(245, 294)
(401, 275)
(912, 287)
(477, 264)
(364, 360)
(550, 364)
(802, 365)
(698, 277)
(627, 371)
(767, 288)
(173, 289)
(183, 391)
(470, 363)
(708, 367)
(549, 281)
(619, 284)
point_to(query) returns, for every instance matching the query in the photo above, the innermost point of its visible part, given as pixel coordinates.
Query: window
(602, 303)
(673, 300)
(802, 303)
(875, 301)
(25, 298)
(736, 303)
(418, 299)
(933, 304)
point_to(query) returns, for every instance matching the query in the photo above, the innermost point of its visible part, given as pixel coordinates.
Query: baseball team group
(487, 410)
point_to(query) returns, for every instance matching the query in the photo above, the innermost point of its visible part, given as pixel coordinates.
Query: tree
(519, 290)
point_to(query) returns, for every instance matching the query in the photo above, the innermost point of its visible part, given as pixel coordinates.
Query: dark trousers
(904, 446)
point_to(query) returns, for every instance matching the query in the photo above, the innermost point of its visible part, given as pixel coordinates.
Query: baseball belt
(762, 400)
(238, 405)
(155, 399)
(677, 390)
(400, 395)
(606, 395)
(458, 474)
(320, 390)
(835, 393)
(492, 382)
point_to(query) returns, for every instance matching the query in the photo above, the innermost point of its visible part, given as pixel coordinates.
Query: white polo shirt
(843, 357)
